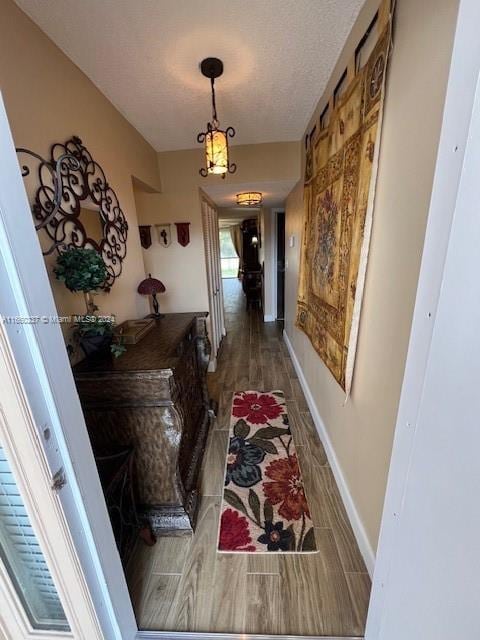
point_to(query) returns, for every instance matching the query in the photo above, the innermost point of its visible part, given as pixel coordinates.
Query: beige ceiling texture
(224, 194)
(144, 55)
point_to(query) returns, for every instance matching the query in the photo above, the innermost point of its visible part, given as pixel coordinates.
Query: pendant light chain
(214, 104)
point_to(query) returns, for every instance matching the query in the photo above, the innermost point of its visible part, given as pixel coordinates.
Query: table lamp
(150, 287)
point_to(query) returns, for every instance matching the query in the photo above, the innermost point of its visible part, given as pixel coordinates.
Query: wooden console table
(154, 398)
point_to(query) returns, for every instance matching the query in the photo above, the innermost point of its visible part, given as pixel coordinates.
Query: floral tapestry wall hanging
(264, 507)
(339, 189)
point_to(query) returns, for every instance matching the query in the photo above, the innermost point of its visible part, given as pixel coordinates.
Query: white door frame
(274, 231)
(461, 97)
(45, 372)
(20, 439)
(211, 240)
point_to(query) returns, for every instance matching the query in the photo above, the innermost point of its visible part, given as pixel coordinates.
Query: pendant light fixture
(249, 199)
(214, 138)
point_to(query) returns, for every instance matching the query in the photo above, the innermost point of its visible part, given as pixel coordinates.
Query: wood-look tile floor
(182, 583)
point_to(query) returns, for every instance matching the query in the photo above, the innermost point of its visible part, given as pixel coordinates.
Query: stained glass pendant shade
(215, 139)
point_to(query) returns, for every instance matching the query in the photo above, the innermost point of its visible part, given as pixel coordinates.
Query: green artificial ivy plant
(81, 269)
(84, 270)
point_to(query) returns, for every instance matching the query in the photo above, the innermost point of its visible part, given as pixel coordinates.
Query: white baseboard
(357, 525)
(269, 318)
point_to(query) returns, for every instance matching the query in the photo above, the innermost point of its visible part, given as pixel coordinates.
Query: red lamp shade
(150, 285)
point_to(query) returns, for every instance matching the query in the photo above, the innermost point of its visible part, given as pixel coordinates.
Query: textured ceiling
(144, 54)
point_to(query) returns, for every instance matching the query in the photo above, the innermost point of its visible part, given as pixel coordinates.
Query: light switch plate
(291, 242)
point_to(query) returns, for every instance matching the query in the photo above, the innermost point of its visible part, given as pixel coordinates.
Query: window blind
(23, 558)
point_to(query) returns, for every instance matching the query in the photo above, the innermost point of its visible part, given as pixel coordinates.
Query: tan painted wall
(362, 431)
(48, 99)
(182, 270)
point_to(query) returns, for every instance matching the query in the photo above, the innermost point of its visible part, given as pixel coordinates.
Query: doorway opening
(229, 259)
(280, 264)
(241, 251)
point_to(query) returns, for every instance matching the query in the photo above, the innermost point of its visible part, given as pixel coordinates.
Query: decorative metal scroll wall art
(67, 179)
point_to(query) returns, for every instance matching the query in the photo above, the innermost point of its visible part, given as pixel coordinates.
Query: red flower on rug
(234, 533)
(256, 408)
(287, 488)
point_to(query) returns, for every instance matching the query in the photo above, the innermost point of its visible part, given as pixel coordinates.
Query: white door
(214, 275)
(41, 590)
(217, 265)
(426, 580)
(60, 573)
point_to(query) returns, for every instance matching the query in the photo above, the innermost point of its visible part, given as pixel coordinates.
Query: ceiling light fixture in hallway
(249, 199)
(215, 139)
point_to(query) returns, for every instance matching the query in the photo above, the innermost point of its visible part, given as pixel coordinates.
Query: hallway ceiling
(223, 193)
(144, 55)
(230, 217)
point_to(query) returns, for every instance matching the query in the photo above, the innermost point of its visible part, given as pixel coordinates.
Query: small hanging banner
(164, 234)
(183, 233)
(145, 235)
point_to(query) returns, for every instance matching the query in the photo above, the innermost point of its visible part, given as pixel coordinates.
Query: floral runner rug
(264, 508)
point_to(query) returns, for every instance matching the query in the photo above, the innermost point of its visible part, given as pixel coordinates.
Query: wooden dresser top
(156, 350)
